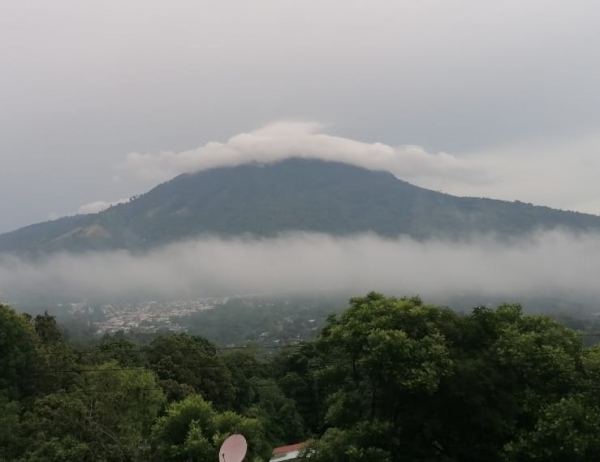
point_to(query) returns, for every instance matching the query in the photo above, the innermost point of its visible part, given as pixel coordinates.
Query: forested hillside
(291, 195)
(392, 380)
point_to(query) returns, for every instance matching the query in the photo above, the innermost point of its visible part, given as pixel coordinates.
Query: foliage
(192, 431)
(264, 320)
(19, 358)
(389, 379)
(108, 415)
(441, 386)
(191, 361)
(59, 368)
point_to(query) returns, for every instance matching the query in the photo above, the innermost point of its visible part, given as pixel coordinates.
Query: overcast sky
(100, 100)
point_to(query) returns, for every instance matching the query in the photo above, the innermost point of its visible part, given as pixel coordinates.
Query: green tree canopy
(20, 361)
(107, 416)
(187, 363)
(192, 431)
(440, 386)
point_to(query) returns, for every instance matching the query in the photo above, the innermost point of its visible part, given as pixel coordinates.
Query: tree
(123, 350)
(10, 441)
(186, 363)
(387, 358)
(192, 431)
(507, 367)
(277, 413)
(108, 416)
(297, 370)
(484, 386)
(364, 442)
(388, 349)
(244, 366)
(257, 395)
(59, 367)
(566, 431)
(20, 361)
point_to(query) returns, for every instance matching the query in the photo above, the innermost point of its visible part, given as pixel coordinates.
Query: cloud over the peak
(285, 139)
(97, 206)
(537, 171)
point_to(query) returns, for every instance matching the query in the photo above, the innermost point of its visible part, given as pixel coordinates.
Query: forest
(386, 380)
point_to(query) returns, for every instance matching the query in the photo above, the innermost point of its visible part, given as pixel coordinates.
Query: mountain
(294, 194)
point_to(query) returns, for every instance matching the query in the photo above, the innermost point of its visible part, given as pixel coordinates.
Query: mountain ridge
(289, 195)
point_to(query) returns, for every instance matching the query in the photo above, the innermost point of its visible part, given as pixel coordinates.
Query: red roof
(284, 449)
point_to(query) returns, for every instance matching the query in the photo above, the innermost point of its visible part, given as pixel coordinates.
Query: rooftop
(284, 449)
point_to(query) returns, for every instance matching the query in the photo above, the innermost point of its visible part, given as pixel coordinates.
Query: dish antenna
(233, 449)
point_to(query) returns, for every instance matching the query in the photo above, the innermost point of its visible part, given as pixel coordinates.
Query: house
(287, 452)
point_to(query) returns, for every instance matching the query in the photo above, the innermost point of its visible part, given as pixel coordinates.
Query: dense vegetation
(292, 195)
(386, 380)
(261, 320)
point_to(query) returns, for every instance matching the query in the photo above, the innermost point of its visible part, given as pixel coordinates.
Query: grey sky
(506, 88)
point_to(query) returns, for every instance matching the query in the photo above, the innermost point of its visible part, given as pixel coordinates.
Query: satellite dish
(233, 449)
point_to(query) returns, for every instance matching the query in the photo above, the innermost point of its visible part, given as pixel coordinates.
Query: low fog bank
(484, 269)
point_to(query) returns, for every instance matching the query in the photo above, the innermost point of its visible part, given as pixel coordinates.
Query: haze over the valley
(544, 264)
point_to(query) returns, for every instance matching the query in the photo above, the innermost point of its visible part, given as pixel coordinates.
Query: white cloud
(558, 172)
(282, 140)
(541, 264)
(98, 206)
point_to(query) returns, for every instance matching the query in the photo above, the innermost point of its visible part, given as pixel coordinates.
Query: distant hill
(295, 194)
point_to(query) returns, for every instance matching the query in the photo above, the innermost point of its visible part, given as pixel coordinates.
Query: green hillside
(295, 194)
